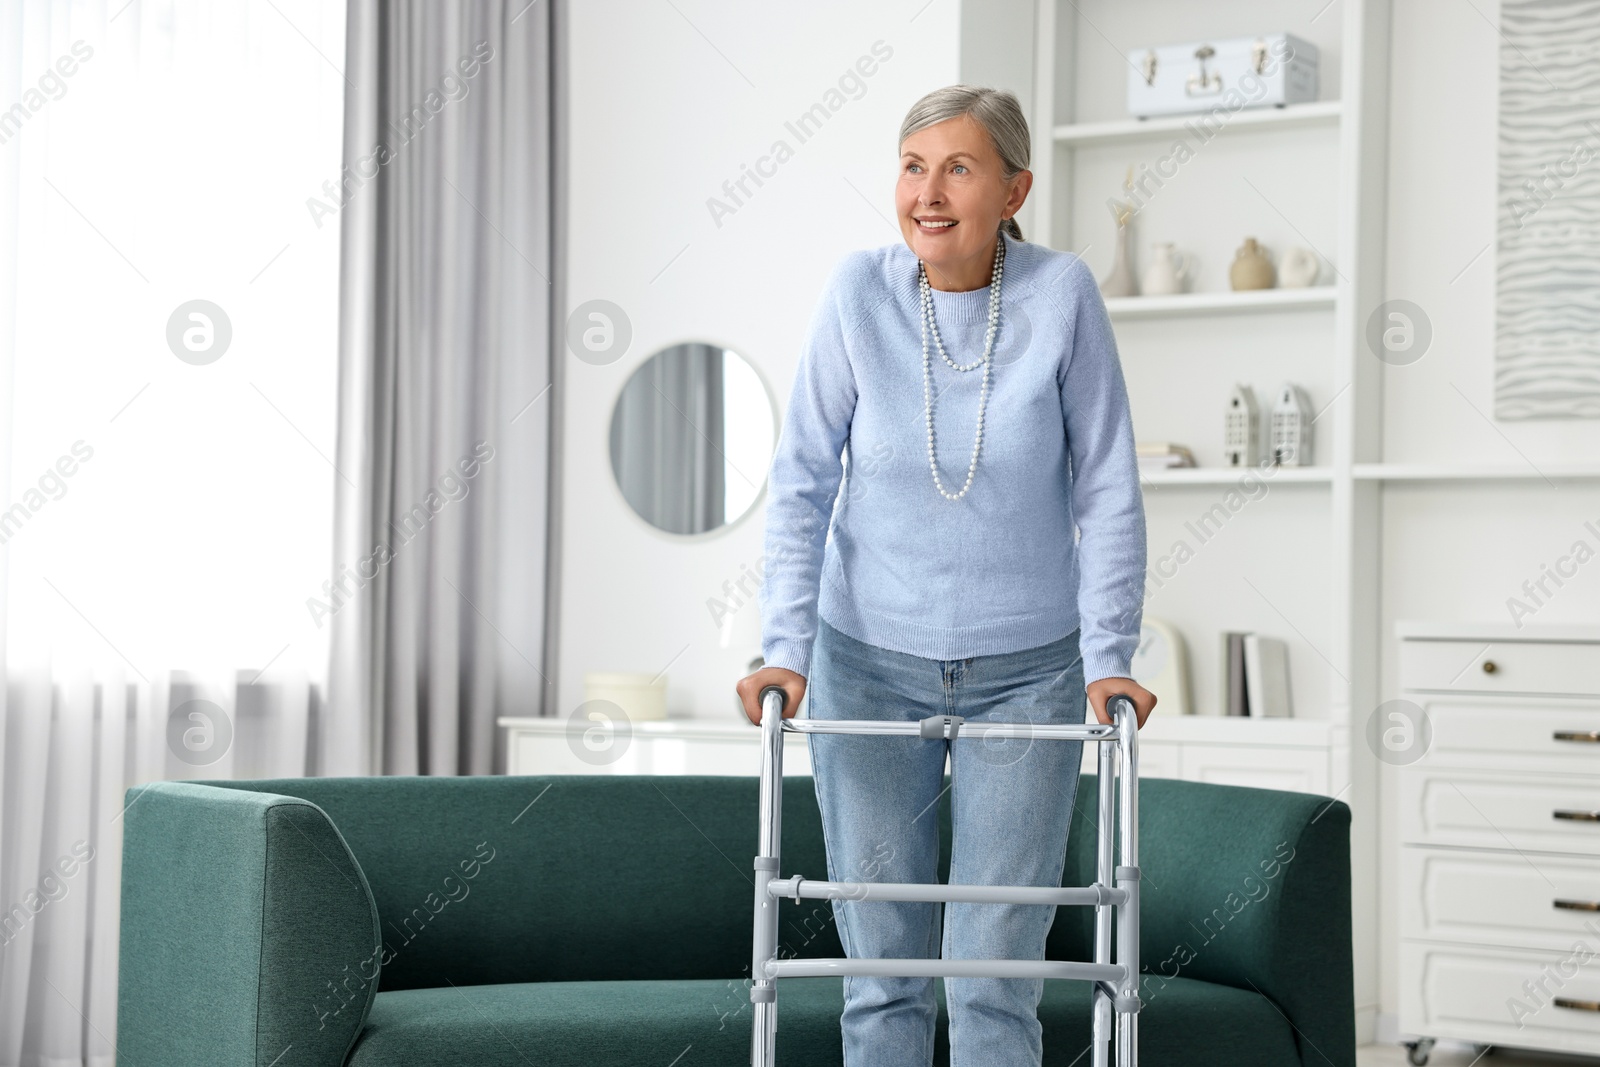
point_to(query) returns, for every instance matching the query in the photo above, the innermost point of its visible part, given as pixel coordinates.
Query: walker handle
(783, 697)
(1132, 708)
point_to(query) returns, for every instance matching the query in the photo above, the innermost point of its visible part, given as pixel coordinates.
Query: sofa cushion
(700, 1023)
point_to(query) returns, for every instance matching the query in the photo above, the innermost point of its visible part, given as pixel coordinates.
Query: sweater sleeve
(802, 484)
(1107, 502)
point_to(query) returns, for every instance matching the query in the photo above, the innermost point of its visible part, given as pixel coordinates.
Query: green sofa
(605, 919)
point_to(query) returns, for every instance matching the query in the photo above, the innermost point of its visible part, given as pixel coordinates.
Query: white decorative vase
(1299, 269)
(1168, 271)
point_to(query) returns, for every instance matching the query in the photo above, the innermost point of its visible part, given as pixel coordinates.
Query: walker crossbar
(796, 887)
(1114, 894)
(896, 968)
(1063, 731)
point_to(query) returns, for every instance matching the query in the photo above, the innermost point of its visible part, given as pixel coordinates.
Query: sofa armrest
(249, 933)
(1251, 888)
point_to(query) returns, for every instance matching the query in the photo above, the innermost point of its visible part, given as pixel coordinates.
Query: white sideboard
(1500, 835)
(1268, 753)
(657, 746)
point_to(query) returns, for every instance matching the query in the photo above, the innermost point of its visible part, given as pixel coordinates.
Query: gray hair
(996, 110)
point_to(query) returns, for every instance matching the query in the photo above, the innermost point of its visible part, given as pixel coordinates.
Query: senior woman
(953, 582)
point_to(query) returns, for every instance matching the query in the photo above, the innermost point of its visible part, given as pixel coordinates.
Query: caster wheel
(1417, 1051)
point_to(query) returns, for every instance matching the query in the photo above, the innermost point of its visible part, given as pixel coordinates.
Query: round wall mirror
(692, 435)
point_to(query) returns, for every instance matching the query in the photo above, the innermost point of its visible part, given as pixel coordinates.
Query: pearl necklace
(985, 361)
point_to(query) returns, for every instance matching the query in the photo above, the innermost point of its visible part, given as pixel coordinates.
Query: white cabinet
(1292, 754)
(1261, 766)
(1270, 754)
(668, 746)
(1500, 837)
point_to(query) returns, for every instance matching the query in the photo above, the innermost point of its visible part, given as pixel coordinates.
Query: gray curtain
(668, 439)
(445, 391)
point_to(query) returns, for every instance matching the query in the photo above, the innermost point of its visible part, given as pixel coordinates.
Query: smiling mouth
(938, 226)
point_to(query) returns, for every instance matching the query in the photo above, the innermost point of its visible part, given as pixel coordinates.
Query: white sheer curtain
(166, 470)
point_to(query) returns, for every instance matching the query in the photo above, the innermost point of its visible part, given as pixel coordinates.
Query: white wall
(666, 107)
(668, 102)
(1459, 552)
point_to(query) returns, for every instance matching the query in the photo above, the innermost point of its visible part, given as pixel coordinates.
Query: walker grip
(1114, 697)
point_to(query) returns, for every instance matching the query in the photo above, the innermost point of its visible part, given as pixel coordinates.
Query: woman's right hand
(749, 689)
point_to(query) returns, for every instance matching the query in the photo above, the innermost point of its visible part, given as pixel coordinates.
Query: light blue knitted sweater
(998, 570)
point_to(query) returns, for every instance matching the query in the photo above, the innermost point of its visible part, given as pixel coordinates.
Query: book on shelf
(1255, 675)
(1161, 455)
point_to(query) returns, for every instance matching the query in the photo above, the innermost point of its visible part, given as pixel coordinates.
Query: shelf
(1092, 134)
(1232, 475)
(1469, 472)
(1244, 301)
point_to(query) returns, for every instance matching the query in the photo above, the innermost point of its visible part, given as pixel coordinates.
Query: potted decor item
(1121, 280)
(1252, 269)
(1168, 270)
(1300, 268)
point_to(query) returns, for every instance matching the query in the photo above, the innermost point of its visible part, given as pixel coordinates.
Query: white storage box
(642, 697)
(1274, 69)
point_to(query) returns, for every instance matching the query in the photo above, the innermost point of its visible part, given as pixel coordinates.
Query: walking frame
(1116, 985)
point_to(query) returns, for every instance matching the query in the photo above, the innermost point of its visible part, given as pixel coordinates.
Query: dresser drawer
(1553, 667)
(1534, 734)
(1499, 898)
(1480, 809)
(1498, 996)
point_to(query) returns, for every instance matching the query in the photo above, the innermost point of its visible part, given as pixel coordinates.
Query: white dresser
(1288, 754)
(1291, 754)
(660, 746)
(1500, 836)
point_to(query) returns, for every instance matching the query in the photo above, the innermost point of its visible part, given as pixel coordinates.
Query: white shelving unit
(1291, 552)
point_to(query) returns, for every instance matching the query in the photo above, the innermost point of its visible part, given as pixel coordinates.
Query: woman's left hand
(1144, 701)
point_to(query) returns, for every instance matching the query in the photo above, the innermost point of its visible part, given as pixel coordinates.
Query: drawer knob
(1577, 905)
(1577, 816)
(1590, 737)
(1489, 666)
(1576, 1005)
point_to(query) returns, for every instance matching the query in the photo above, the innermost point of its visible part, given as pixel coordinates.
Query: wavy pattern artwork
(1547, 274)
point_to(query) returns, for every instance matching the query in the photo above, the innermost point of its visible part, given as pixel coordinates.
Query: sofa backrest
(509, 879)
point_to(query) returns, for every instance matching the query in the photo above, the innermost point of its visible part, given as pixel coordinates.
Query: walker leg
(764, 939)
(1128, 879)
(1102, 1017)
(763, 1035)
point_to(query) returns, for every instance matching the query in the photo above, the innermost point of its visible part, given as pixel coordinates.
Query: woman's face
(951, 173)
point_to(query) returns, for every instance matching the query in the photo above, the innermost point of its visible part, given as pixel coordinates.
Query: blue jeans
(1011, 808)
